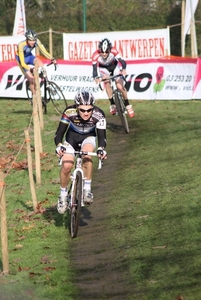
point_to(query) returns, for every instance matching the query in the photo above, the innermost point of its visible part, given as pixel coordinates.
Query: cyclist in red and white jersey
(26, 60)
(107, 61)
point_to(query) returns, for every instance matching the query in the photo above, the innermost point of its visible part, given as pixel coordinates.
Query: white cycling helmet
(31, 35)
(84, 98)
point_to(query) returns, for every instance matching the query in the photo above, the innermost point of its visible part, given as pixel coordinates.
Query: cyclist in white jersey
(80, 124)
(107, 60)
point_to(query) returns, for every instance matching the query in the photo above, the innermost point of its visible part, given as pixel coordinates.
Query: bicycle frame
(76, 195)
(118, 99)
(78, 167)
(50, 91)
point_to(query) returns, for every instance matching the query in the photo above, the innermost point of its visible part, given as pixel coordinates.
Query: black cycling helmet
(84, 98)
(30, 35)
(105, 45)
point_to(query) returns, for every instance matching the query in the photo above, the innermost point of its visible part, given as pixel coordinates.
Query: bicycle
(118, 99)
(75, 191)
(50, 91)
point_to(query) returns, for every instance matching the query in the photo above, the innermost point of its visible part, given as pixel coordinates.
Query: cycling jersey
(110, 62)
(77, 129)
(24, 54)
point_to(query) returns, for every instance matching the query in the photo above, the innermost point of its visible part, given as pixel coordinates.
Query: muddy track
(93, 255)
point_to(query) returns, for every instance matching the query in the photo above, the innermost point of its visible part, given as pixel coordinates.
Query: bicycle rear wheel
(28, 91)
(76, 205)
(57, 97)
(121, 109)
(29, 96)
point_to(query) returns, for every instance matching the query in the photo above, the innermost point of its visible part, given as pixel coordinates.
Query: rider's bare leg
(65, 172)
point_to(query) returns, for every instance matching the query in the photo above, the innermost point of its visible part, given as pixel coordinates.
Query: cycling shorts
(29, 60)
(108, 72)
(74, 139)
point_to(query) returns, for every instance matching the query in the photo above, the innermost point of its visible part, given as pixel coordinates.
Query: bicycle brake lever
(55, 65)
(63, 149)
(100, 87)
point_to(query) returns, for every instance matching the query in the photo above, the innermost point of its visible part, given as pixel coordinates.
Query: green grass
(154, 210)
(158, 229)
(38, 244)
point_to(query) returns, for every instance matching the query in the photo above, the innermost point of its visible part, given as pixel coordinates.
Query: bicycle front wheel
(76, 205)
(57, 97)
(121, 109)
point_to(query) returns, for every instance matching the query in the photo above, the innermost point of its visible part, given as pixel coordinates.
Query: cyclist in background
(80, 123)
(26, 60)
(107, 59)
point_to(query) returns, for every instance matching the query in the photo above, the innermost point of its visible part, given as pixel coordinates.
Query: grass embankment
(154, 211)
(156, 208)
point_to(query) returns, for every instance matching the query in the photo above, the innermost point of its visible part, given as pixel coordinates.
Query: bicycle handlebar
(111, 78)
(82, 153)
(55, 65)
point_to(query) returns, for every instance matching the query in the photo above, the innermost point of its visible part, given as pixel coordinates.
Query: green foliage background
(107, 15)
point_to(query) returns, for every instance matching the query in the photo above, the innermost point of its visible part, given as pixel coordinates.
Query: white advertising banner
(142, 44)
(162, 79)
(8, 47)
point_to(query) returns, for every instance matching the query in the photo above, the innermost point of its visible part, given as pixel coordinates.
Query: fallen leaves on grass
(23, 165)
(4, 161)
(49, 269)
(20, 269)
(45, 260)
(43, 155)
(160, 247)
(31, 226)
(180, 298)
(20, 238)
(18, 246)
(33, 274)
(141, 217)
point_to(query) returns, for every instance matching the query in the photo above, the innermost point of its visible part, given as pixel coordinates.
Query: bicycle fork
(73, 182)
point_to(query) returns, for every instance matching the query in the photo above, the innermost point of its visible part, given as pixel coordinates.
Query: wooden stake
(38, 98)
(36, 140)
(4, 236)
(50, 42)
(30, 168)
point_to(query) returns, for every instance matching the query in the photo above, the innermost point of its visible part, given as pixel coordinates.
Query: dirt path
(93, 255)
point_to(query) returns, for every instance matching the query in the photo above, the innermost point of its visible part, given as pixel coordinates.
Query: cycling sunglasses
(85, 110)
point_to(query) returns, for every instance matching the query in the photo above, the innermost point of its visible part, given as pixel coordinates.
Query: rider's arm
(101, 133)
(20, 53)
(95, 70)
(118, 57)
(60, 133)
(95, 57)
(43, 50)
(122, 62)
